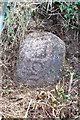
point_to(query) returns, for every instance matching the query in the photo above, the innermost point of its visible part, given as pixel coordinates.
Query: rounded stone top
(40, 60)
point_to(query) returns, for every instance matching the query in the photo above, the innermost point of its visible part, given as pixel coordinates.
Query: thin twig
(3, 28)
(28, 109)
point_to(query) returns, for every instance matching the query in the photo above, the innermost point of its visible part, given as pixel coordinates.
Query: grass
(20, 101)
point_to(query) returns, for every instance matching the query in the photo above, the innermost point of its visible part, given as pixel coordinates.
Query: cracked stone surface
(40, 60)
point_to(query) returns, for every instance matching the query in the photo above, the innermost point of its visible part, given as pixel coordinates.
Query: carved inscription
(41, 56)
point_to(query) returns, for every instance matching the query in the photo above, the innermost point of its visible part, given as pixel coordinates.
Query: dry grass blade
(28, 109)
(70, 83)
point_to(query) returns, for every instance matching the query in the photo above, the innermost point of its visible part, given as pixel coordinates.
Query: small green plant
(69, 11)
(16, 19)
(59, 97)
(58, 92)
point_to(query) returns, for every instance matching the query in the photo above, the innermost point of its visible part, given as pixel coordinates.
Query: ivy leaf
(69, 10)
(72, 27)
(61, 7)
(76, 3)
(66, 16)
(66, 25)
(68, 4)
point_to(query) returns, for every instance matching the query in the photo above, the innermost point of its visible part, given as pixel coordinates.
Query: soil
(20, 101)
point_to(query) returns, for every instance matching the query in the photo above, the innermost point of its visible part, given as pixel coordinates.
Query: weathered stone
(41, 58)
